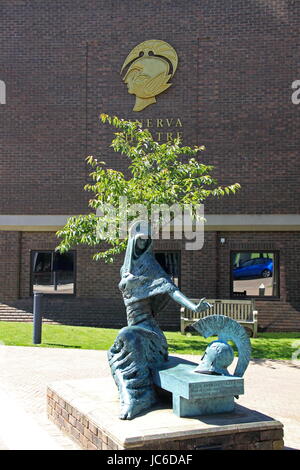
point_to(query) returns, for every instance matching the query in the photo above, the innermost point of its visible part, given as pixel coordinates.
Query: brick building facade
(61, 61)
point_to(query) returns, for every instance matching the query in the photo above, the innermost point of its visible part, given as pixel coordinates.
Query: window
(170, 262)
(254, 274)
(52, 272)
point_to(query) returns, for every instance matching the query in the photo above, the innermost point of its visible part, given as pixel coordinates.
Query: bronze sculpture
(141, 346)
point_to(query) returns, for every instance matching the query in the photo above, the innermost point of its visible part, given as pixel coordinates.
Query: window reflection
(52, 272)
(254, 273)
(170, 262)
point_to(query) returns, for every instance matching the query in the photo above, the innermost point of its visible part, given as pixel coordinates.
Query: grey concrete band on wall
(214, 222)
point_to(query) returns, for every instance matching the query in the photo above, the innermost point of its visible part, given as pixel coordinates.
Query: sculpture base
(197, 394)
(87, 410)
(199, 407)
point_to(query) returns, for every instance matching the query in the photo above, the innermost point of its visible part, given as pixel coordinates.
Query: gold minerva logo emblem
(148, 69)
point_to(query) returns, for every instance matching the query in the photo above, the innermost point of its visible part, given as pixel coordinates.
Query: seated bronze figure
(141, 345)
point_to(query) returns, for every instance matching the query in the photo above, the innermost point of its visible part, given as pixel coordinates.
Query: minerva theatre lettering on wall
(163, 129)
(147, 71)
(296, 94)
(2, 92)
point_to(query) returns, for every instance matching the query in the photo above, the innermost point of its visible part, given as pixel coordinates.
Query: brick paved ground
(272, 387)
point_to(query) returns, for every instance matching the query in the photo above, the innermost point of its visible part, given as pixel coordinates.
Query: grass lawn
(265, 346)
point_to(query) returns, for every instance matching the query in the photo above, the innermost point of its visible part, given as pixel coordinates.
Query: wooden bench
(243, 311)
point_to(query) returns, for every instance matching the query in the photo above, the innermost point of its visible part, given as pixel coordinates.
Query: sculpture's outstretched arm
(185, 302)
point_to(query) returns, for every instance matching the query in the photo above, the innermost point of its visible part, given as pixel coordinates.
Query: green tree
(160, 173)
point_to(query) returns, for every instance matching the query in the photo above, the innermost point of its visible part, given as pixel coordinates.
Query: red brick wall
(232, 91)
(9, 265)
(282, 314)
(206, 273)
(98, 299)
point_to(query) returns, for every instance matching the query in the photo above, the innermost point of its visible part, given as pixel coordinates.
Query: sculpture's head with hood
(142, 276)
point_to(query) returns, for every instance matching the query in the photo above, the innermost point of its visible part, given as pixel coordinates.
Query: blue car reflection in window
(257, 267)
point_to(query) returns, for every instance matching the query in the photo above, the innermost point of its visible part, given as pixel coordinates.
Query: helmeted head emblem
(217, 357)
(148, 69)
(219, 354)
